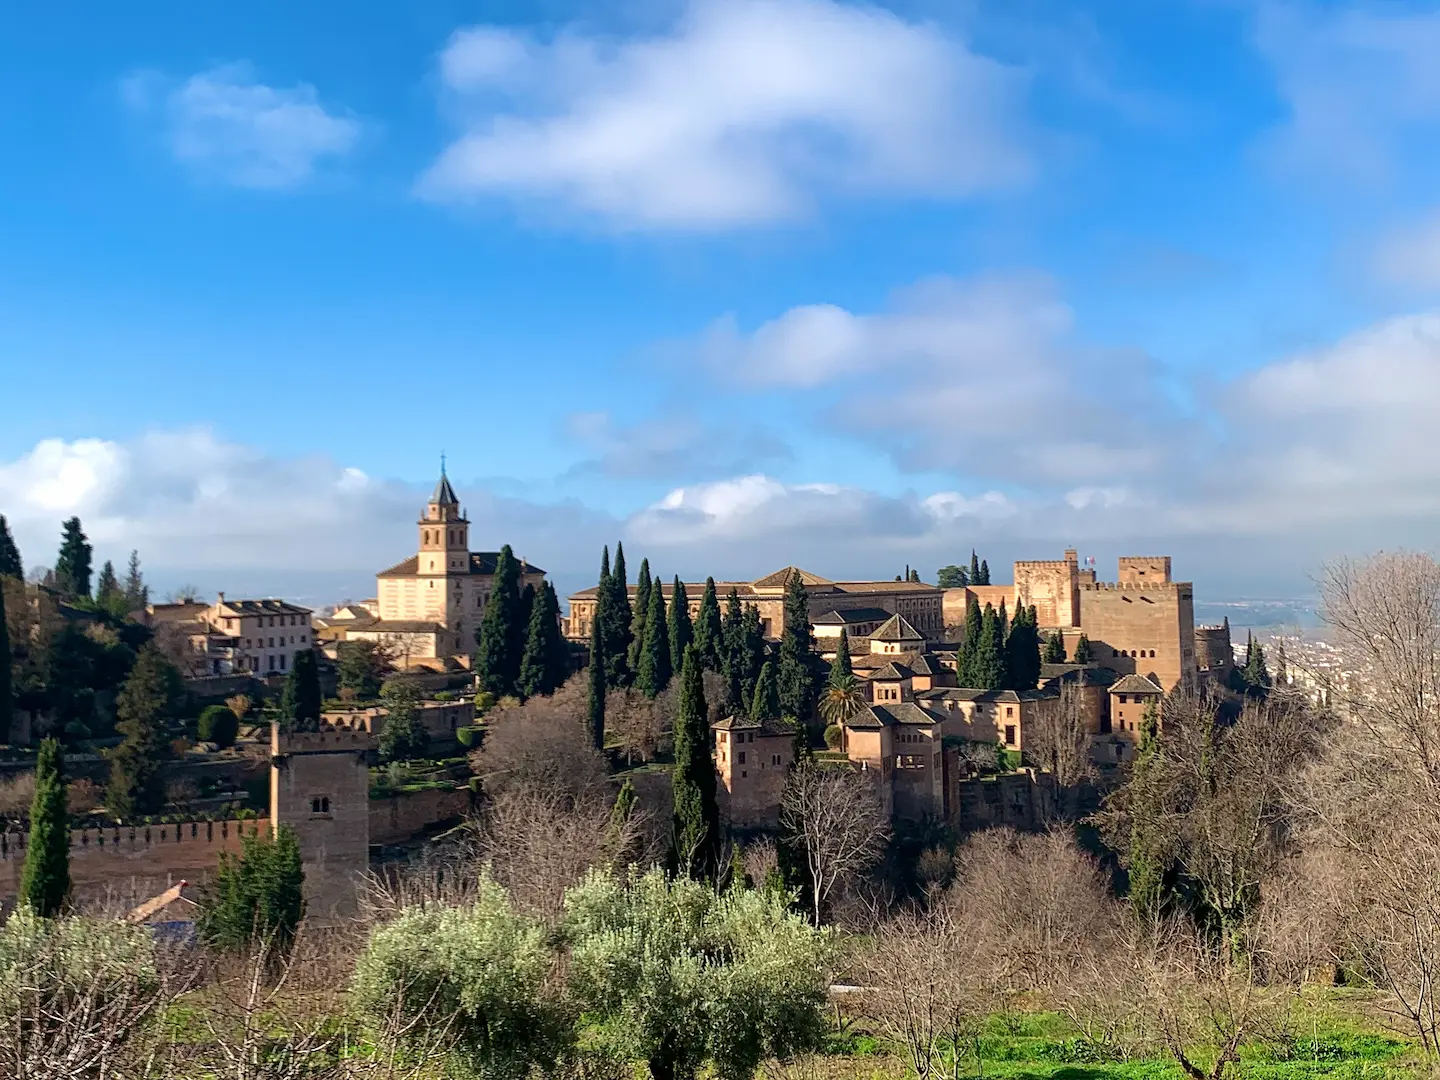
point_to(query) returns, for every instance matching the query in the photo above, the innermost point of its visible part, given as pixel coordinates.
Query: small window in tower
(742, 757)
(320, 804)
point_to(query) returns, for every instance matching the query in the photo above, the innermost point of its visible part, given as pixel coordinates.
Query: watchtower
(320, 787)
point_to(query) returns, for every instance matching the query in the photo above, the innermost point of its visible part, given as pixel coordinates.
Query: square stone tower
(320, 787)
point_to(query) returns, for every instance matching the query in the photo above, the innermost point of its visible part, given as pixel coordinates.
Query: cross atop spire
(444, 494)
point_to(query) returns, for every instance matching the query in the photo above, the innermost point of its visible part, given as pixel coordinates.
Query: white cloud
(226, 124)
(979, 377)
(744, 113)
(1410, 256)
(670, 445)
(1360, 82)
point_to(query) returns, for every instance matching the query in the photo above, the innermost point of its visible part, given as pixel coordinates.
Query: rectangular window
(742, 757)
(1009, 710)
(1122, 699)
(774, 759)
(1009, 734)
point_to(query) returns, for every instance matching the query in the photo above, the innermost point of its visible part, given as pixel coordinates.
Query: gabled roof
(397, 626)
(891, 670)
(874, 661)
(874, 717)
(851, 617)
(925, 665)
(965, 693)
(1135, 684)
(1093, 674)
(745, 723)
(781, 578)
(444, 493)
(897, 629)
(264, 607)
(157, 904)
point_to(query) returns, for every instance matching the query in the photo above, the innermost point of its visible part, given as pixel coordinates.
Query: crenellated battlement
(336, 738)
(128, 840)
(1134, 586)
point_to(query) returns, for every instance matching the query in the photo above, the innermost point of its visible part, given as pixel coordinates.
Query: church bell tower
(444, 532)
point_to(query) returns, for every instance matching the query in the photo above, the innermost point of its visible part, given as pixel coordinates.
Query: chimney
(221, 595)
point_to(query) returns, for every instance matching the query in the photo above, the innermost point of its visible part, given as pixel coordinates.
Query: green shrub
(256, 898)
(218, 725)
(834, 736)
(469, 737)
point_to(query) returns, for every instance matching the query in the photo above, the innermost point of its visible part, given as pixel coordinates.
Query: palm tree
(842, 700)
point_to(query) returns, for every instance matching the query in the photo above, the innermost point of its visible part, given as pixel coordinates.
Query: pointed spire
(444, 494)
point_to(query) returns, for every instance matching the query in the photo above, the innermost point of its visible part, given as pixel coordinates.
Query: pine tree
(752, 645)
(107, 587)
(709, 635)
(796, 674)
(682, 632)
(497, 662)
(544, 662)
(257, 898)
(987, 665)
(1082, 650)
(10, 563)
(137, 593)
(597, 688)
(765, 698)
(7, 687)
(984, 573)
(45, 882)
(975, 568)
(840, 668)
(654, 674)
(144, 707)
(696, 829)
(732, 630)
(300, 699)
(965, 671)
(952, 577)
(614, 611)
(72, 566)
(1055, 648)
(637, 619)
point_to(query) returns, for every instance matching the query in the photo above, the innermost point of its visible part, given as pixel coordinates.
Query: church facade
(430, 605)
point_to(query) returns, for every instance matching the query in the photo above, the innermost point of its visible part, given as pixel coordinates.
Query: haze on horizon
(743, 283)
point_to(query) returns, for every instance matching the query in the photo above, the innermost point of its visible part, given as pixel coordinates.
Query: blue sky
(750, 283)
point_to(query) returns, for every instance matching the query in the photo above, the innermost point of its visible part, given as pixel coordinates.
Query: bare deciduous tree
(835, 818)
(545, 744)
(1058, 741)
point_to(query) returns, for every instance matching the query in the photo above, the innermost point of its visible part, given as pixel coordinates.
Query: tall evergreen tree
(752, 645)
(107, 586)
(795, 677)
(137, 593)
(696, 830)
(1082, 650)
(7, 686)
(300, 699)
(543, 666)
(654, 674)
(765, 699)
(597, 688)
(709, 635)
(682, 631)
(1022, 651)
(1282, 667)
(984, 573)
(952, 577)
(45, 881)
(988, 668)
(1255, 673)
(637, 618)
(523, 612)
(10, 562)
(975, 568)
(732, 629)
(497, 659)
(1055, 648)
(257, 898)
(966, 674)
(72, 566)
(614, 610)
(144, 707)
(840, 668)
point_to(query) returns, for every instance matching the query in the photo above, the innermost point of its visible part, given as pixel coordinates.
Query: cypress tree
(1082, 650)
(72, 566)
(144, 707)
(840, 669)
(752, 638)
(975, 568)
(45, 881)
(1255, 673)
(1282, 667)
(497, 661)
(987, 666)
(1022, 651)
(654, 674)
(637, 618)
(732, 630)
(107, 586)
(682, 631)
(1055, 648)
(137, 594)
(796, 675)
(10, 564)
(542, 666)
(984, 573)
(709, 635)
(597, 689)
(617, 622)
(965, 659)
(300, 699)
(696, 828)
(7, 687)
(524, 610)
(765, 699)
